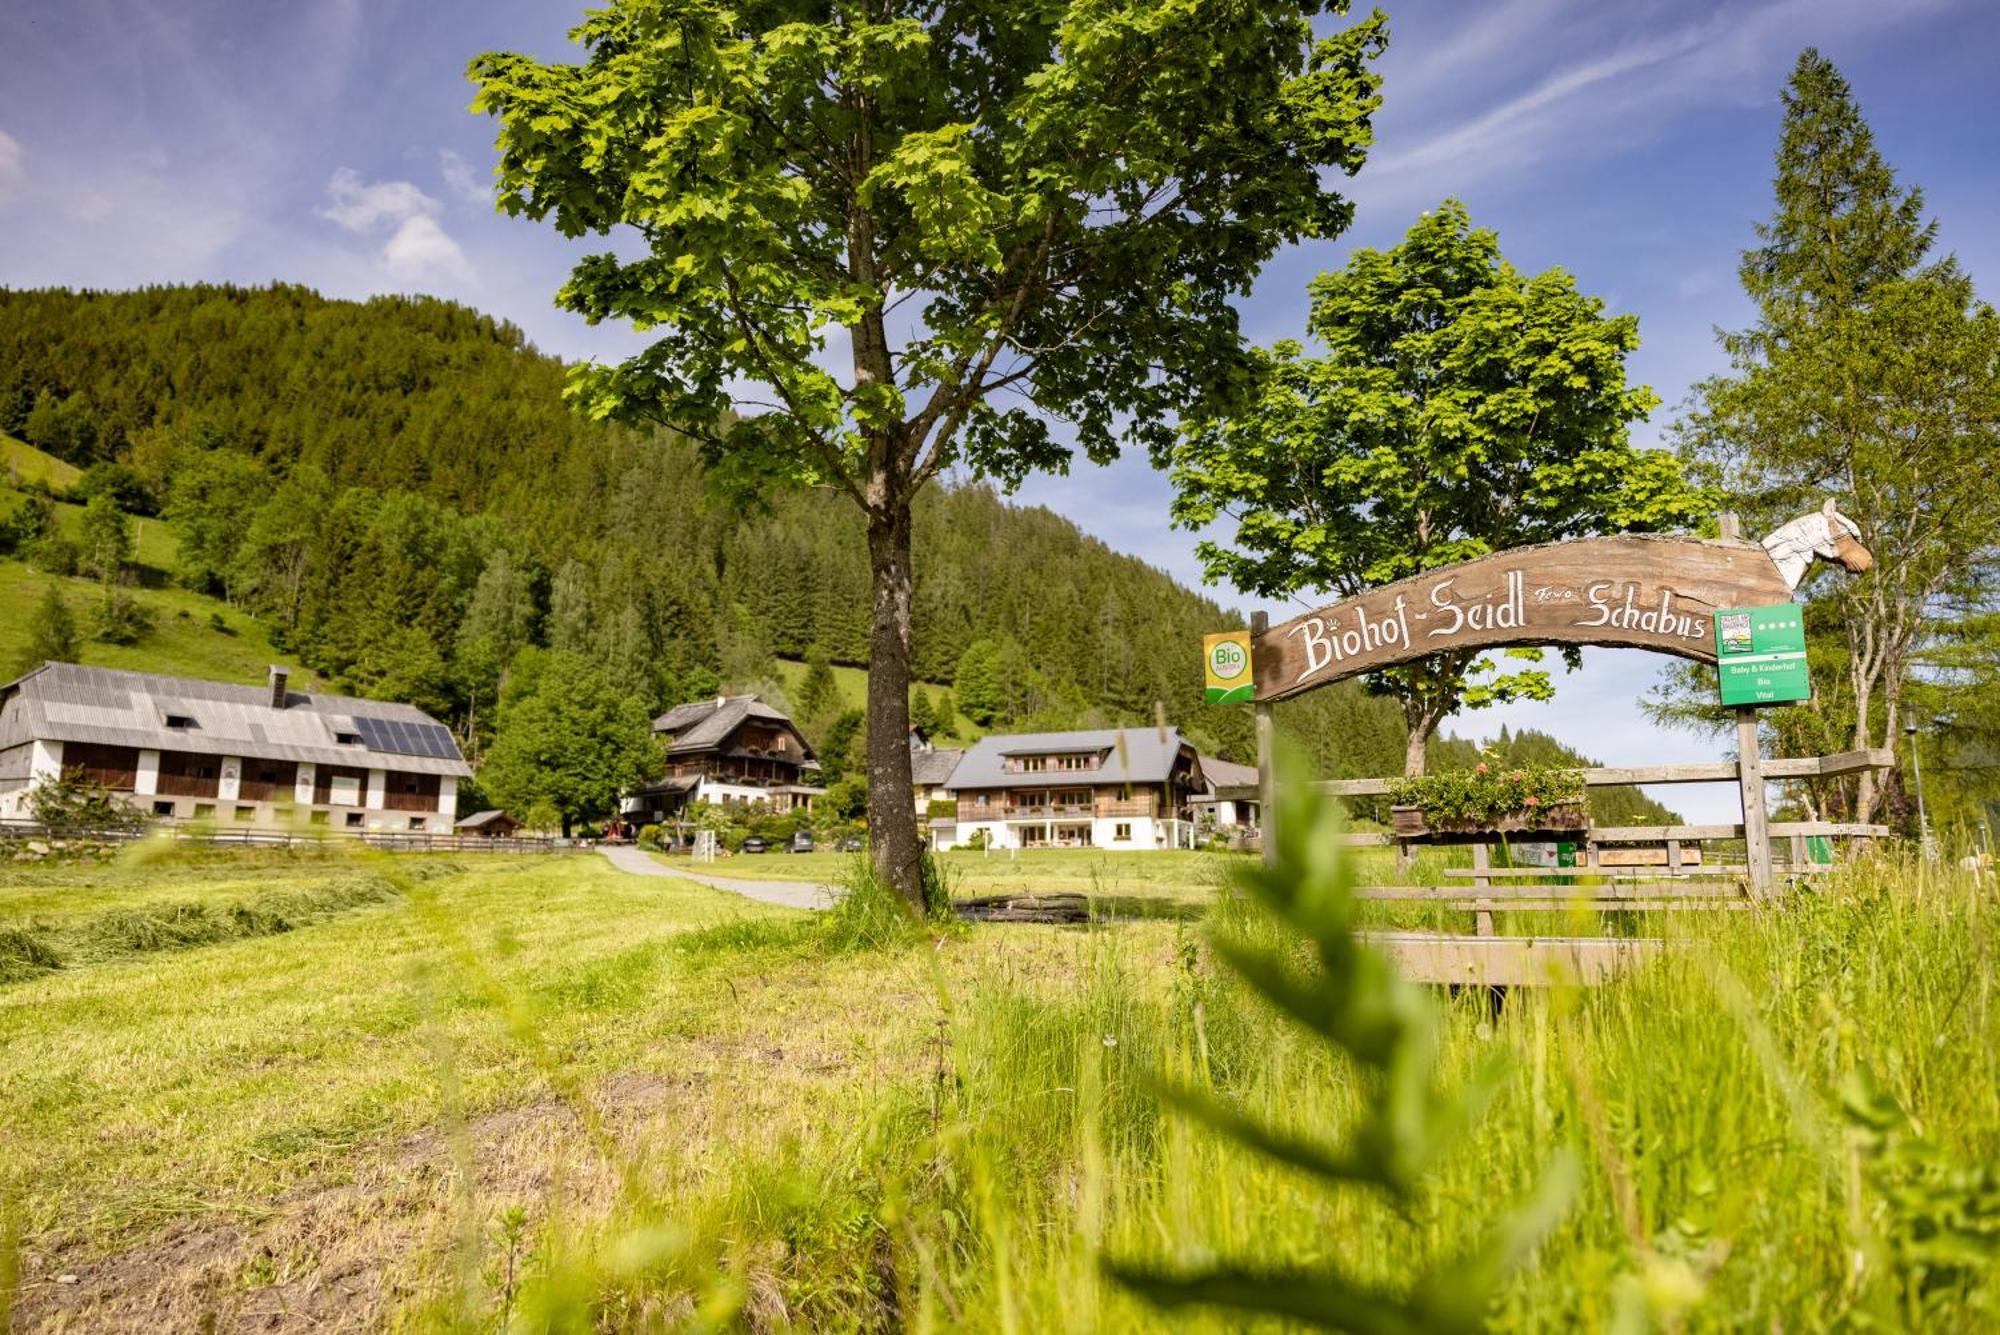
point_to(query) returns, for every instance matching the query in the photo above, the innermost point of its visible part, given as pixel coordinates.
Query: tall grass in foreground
(1791, 1122)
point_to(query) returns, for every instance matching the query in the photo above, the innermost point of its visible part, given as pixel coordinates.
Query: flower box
(1410, 822)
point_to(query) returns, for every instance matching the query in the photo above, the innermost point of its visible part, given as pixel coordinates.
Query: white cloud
(362, 207)
(13, 175)
(418, 249)
(463, 180)
(1607, 96)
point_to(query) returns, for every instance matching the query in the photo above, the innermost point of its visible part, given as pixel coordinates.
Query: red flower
(1480, 768)
(1518, 776)
(1534, 801)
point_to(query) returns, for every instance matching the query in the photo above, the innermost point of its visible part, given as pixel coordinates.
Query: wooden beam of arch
(1635, 591)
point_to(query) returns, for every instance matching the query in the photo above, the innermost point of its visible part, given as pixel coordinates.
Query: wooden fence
(401, 841)
(1486, 889)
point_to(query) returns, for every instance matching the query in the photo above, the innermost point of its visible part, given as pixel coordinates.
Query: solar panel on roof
(404, 738)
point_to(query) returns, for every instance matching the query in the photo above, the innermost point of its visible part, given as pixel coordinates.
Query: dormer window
(180, 721)
(347, 738)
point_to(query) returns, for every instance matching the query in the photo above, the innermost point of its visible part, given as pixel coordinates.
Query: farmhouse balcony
(1046, 810)
(1123, 807)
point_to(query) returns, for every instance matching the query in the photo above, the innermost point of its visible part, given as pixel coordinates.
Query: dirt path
(791, 894)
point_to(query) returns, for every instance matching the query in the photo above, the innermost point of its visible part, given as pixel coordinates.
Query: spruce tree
(1872, 376)
(52, 636)
(818, 692)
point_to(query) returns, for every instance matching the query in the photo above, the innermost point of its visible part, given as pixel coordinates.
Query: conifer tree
(1872, 376)
(818, 691)
(977, 684)
(104, 538)
(52, 634)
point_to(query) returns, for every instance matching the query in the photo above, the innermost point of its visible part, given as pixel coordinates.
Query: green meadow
(481, 1092)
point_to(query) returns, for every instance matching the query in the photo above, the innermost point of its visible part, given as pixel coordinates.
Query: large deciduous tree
(1461, 407)
(1872, 375)
(880, 240)
(572, 740)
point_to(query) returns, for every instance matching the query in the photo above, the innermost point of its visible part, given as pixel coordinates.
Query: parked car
(802, 842)
(850, 845)
(756, 843)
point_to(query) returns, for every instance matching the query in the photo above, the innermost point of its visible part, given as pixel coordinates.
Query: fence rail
(389, 841)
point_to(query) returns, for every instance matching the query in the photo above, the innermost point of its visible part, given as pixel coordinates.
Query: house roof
(479, 820)
(65, 702)
(1130, 755)
(704, 725)
(1227, 778)
(928, 769)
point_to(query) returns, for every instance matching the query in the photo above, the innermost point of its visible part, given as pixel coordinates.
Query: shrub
(70, 804)
(120, 618)
(649, 836)
(1486, 792)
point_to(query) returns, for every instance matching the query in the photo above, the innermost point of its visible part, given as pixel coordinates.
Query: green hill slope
(21, 464)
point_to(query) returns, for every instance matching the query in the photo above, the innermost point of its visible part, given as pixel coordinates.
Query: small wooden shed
(490, 825)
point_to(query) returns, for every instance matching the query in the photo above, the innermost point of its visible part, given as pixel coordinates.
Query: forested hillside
(397, 491)
(397, 488)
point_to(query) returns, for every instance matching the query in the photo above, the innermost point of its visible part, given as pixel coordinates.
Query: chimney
(278, 679)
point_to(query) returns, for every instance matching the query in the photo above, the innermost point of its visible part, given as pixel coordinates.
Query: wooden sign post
(1756, 820)
(1267, 782)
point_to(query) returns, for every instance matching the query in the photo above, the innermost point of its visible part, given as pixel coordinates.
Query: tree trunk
(1421, 717)
(892, 818)
(1414, 751)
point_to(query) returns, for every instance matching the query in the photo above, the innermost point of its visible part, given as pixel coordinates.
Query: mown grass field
(458, 1093)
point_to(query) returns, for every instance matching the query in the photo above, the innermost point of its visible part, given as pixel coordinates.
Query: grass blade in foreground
(1348, 997)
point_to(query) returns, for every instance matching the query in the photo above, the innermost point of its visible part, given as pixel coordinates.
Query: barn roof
(66, 702)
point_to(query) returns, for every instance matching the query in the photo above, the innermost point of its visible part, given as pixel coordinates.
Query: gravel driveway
(791, 894)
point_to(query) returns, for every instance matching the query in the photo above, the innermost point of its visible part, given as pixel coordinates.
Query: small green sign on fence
(1761, 655)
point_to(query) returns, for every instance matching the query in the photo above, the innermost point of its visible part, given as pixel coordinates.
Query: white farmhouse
(178, 748)
(1105, 788)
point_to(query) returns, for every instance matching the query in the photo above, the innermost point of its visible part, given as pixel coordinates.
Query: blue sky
(327, 142)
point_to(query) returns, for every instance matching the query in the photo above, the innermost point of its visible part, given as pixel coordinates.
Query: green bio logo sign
(1226, 667)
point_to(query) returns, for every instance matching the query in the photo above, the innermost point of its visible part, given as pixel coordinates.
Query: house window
(204, 811)
(347, 738)
(319, 817)
(163, 808)
(246, 813)
(1122, 832)
(416, 822)
(179, 721)
(353, 820)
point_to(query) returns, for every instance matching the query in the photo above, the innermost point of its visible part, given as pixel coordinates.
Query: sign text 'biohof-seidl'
(1632, 591)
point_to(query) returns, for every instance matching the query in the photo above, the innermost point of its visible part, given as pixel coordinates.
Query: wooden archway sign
(1633, 591)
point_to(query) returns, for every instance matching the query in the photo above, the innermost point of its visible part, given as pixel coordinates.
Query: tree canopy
(572, 741)
(1460, 407)
(1002, 213)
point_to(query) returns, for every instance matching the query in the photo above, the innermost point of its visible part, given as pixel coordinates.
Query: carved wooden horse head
(1828, 535)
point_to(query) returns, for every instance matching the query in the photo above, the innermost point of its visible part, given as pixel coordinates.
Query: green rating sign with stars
(1761, 655)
